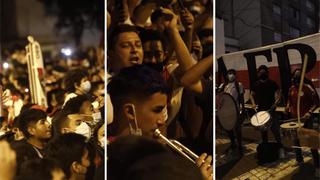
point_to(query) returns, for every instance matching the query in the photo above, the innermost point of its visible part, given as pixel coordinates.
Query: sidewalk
(246, 168)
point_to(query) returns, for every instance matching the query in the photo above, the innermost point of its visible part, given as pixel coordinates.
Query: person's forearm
(142, 13)
(194, 75)
(188, 38)
(184, 57)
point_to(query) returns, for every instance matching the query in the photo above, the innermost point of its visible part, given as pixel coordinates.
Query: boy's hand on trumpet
(204, 163)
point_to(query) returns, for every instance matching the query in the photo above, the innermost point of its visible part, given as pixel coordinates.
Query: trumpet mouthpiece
(157, 133)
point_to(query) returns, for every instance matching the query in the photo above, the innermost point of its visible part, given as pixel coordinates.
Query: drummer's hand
(306, 116)
(204, 163)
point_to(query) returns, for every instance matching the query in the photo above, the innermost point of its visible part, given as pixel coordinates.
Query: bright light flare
(66, 51)
(5, 65)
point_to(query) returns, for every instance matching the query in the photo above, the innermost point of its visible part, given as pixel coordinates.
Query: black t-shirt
(264, 93)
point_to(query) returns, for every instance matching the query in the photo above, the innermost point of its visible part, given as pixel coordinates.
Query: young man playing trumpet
(139, 96)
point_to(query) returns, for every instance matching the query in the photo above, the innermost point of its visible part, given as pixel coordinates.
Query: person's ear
(76, 167)
(129, 111)
(31, 130)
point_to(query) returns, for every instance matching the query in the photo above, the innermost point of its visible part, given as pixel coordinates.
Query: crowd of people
(65, 139)
(159, 56)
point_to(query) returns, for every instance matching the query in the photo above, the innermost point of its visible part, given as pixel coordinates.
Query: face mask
(96, 117)
(84, 130)
(263, 76)
(86, 86)
(207, 50)
(102, 142)
(135, 131)
(231, 77)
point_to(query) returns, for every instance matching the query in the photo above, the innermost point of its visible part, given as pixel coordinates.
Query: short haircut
(29, 116)
(74, 77)
(59, 94)
(263, 67)
(233, 71)
(37, 169)
(66, 149)
(74, 104)
(135, 82)
(116, 31)
(60, 120)
(153, 35)
(134, 157)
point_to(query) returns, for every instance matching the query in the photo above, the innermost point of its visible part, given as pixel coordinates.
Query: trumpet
(177, 146)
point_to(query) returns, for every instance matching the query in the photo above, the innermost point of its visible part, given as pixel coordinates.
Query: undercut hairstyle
(135, 82)
(153, 35)
(60, 120)
(28, 117)
(66, 149)
(74, 104)
(37, 169)
(74, 77)
(116, 31)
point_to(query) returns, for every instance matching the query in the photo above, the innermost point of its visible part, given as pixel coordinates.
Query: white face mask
(96, 117)
(84, 130)
(137, 131)
(102, 142)
(86, 86)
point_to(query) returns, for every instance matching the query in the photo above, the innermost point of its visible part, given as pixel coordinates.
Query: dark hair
(59, 94)
(233, 71)
(138, 81)
(30, 116)
(59, 120)
(116, 31)
(263, 67)
(74, 104)
(66, 149)
(152, 35)
(74, 77)
(135, 157)
(156, 15)
(37, 169)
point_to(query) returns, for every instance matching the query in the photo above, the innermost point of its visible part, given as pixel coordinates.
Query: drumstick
(300, 86)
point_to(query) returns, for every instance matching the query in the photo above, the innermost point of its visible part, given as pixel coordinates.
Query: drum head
(227, 111)
(291, 125)
(260, 118)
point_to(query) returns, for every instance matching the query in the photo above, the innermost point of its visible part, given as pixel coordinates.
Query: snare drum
(290, 129)
(261, 120)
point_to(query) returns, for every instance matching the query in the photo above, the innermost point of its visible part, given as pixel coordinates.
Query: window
(277, 37)
(276, 9)
(310, 22)
(295, 14)
(310, 5)
(294, 32)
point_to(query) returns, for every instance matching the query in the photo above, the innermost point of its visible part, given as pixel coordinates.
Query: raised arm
(191, 79)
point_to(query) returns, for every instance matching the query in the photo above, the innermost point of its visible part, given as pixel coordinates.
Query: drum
(261, 120)
(227, 111)
(289, 129)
